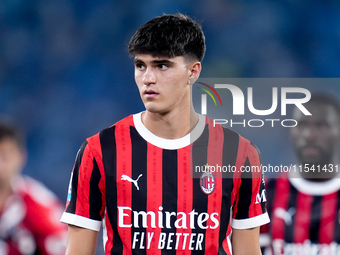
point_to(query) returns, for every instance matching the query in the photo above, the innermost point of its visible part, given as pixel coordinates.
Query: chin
(155, 109)
(311, 160)
(315, 162)
(151, 108)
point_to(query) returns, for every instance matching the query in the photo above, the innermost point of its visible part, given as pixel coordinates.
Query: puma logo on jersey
(287, 216)
(127, 178)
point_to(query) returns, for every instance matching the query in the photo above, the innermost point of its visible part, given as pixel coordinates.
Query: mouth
(311, 151)
(150, 93)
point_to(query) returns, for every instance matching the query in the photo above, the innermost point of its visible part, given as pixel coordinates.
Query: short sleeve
(249, 209)
(85, 200)
(265, 238)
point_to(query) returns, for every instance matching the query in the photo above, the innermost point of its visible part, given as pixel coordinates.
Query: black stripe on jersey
(200, 204)
(169, 196)
(200, 200)
(337, 221)
(262, 187)
(225, 212)
(95, 204)
(291, 207)
(139, 197)
(246, 187)
(108, 144)
(270, 194)
(72, 204)
(230, 148)
(314, 227)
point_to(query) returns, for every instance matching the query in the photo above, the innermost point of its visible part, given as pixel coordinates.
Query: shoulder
(281, 178)
(278, 185)
(42, 210)
(232, 138)
(218, 128)
(108, 134)
(37, 197)
(109, 131)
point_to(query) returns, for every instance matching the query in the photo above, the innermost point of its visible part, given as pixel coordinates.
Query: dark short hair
(326, 99)
(9, 130)
(170, 35)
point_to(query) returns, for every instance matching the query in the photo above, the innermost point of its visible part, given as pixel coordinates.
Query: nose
(309, 133)
(149, 76)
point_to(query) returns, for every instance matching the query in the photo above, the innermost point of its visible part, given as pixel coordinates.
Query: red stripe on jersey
(302, 217)
(84, 177)
(215, 151)
(225, 242)
(328, 216)
(184, 192)
(215, 146)
(95, 141)
(109, 233)
(154, 191)
(254, 160)
(124, 188)
(214, 208)
(283, 189)
(97, 153)
(241, 158)
(226, 246)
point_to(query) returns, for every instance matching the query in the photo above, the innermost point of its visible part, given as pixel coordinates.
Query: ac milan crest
(207, 183)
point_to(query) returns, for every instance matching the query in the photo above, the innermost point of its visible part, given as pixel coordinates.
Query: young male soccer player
(305, 205)
(137, 174)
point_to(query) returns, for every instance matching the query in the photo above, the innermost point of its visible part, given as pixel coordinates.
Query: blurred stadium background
(65, 73)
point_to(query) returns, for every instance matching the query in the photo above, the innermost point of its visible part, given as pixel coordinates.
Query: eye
(139, 66)
(322, 125)
(302, 124)
(163, 66)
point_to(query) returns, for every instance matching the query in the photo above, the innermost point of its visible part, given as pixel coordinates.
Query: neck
(172, 125)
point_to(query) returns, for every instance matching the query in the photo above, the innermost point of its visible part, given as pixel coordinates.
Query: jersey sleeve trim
(80, 221)
(251, 222)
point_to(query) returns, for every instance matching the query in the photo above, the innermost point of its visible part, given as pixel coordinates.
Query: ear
(194, 72)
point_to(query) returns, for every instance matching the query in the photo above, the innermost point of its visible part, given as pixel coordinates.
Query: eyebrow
(155, 62)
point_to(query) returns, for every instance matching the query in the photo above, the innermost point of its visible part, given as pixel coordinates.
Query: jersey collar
(315, 188)
(169, 144)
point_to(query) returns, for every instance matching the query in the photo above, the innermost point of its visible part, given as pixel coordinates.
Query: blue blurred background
(65, 73)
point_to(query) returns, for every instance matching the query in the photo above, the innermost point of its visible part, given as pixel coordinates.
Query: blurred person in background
(29, 212)
(304, 205)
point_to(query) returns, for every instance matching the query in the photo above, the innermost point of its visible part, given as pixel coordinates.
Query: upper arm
(249, 207)
(249, 211)
(246, 241)
(85, 206)
(81, 241)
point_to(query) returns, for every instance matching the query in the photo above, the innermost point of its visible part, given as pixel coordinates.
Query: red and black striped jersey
(304, 216)
(161, 196)
(29, 220)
